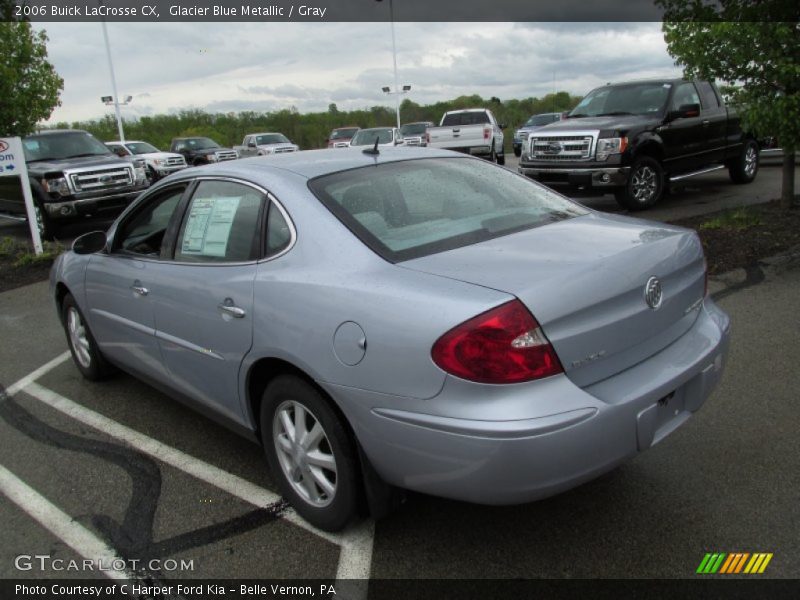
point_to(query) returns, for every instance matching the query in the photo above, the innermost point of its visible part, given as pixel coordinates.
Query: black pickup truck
(72, 175)
(634, 138)
(201, 150)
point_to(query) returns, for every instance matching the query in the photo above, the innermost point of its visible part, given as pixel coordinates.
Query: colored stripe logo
(734, 562)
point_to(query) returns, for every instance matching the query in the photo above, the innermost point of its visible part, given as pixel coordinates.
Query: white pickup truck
(474, 131)
(262, 144)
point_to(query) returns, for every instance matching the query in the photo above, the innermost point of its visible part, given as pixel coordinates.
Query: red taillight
(487, 133)
(427, 138)
(503, 345)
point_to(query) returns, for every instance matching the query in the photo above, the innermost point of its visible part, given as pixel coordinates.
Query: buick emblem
(652, 293)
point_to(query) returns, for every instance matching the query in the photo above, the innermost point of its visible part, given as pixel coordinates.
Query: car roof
(314, 163)
(127, 142)
(267, 133)
(55, 131)
(377, 128)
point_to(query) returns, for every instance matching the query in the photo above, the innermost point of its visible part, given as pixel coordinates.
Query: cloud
(266, 66)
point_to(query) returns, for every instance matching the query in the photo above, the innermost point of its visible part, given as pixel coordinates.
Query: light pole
(406, 88)
(113, 85)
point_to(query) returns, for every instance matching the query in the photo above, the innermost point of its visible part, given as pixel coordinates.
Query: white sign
(12, 163)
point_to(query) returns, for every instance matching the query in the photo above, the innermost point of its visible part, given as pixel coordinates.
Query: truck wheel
(745, 167)
(517, 152)
(47, 229)
(645, 185)
(501, 159)
(493, 155)
(152, 175)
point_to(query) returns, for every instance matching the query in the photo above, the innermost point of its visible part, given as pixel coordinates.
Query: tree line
(311, 130)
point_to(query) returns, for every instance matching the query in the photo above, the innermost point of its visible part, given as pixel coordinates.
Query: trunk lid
(584, 281)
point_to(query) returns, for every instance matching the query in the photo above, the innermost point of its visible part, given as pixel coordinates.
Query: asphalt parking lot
(116, 469)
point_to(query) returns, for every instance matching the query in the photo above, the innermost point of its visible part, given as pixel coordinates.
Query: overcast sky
(222, 67)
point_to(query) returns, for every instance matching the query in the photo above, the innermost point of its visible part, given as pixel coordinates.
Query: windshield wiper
(41, 159)
(577, 115)
(84, 155)
(615, 113)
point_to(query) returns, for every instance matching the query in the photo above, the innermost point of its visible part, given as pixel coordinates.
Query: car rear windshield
(413, 208)
(59, 146)
(648, 98)
(141, 148)
(272, 138)
(365, 137)
(343, 133)
(466, 118)
(413, 129)
(546, 119)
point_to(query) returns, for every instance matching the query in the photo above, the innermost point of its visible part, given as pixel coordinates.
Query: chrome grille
(282, 150)
(98, 179)
(578, 146)
(175, 161)
(226, 155)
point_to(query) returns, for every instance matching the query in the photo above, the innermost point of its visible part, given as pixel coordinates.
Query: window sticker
(209, 225)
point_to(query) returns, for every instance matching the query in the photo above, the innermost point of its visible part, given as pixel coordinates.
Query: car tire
(47, 229)
(320, 480)
(645, 185)
(152, 176)
(517, 152)
(745, 166)
(199, 162)
(501, 159)
(85, 353)
(492, 155)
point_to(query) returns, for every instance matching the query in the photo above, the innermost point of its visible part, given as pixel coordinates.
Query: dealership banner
(396, 589)
(12, 164)
(349, 10)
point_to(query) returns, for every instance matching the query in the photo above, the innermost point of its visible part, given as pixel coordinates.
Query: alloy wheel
(78, 338)
(750, 160)
(304, 453)
(644, 184)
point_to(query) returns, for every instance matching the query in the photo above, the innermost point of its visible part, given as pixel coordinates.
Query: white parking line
(31, 377)
(355, 557)
(52, 518)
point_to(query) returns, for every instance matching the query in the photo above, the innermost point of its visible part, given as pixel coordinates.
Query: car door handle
(230, 308)
(705, 122)
(139, 288)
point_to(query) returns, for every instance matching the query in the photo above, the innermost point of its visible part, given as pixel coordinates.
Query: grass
(735, 219)
(21, 254)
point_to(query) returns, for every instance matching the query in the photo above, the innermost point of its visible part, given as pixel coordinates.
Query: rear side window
(685, 94)
(222, 224)
(709, 96)
(404, 210)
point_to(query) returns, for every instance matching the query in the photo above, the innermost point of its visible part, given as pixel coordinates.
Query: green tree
(753, 47)
(30, 88)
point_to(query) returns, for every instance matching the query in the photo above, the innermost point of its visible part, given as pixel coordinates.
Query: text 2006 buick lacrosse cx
(400, 318)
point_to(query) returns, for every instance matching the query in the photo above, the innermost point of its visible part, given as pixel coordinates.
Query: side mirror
(503, 125)
(89, 243)
(251, 144)
(685, 111)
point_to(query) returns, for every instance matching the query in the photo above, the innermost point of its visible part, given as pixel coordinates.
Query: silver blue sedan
(400, 319)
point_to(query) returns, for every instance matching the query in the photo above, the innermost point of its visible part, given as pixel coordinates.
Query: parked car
(532, 124)
(201, 150)
(341, 136)
(72, 176)
(159, 164)
(474, 131)
(413, 318)
(386, 136)
(634, 138)
(262, 144)
(414, 133)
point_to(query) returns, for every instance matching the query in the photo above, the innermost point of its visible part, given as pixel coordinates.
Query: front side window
(221, 224)
(143, 233)
(404, 210)
(685, 94)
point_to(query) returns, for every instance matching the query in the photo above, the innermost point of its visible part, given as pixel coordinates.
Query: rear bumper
(601, 177)
(517, 443)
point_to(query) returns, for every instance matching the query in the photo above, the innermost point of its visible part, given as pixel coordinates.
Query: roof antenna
(374, 150)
